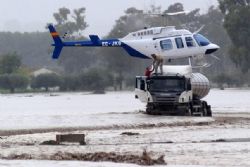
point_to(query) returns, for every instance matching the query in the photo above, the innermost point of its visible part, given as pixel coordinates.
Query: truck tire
(209, 111)
(150, 109)
(206, 109)
(189, 112)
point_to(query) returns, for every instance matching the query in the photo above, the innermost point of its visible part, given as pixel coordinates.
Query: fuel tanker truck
(178, 91)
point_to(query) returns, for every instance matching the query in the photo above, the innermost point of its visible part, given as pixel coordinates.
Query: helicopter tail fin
(94, 39)
(58, 42)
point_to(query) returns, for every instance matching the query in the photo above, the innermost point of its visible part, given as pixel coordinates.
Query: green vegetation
(237, 24)
(46, 81)
(222, 79)
(13, 82)
(95, 80)
(9, 78)
(9, 63)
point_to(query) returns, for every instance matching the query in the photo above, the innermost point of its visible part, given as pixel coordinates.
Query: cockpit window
(166, 44)
(189, 42)
(201, 40)
(179, 43)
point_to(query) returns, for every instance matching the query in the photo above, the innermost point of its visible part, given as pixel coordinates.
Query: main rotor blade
(206, 65)
(217, 58)
(177, 13)
(197, 31)
(169, 14)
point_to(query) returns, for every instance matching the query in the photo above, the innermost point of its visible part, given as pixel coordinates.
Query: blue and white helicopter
(168, 42)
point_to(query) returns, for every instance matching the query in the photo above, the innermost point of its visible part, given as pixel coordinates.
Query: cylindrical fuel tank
(200, 85)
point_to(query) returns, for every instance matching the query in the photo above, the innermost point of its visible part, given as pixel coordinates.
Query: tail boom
(93, 42)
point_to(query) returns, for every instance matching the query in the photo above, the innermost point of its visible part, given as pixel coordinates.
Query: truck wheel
(189, 112)
(206, 109)
(209, 111)
(150, 110)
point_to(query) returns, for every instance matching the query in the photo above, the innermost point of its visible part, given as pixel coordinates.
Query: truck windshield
(167, 85)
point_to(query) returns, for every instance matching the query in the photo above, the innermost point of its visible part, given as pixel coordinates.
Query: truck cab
(164, 92)
(173, 89)
(174, 93)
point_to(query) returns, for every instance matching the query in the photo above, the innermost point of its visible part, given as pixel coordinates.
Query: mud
(221, 140)
(129, 133)
(218, 119)
(144, 159)
(50, 142)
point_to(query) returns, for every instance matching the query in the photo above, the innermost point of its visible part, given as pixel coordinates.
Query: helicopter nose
(212, 48)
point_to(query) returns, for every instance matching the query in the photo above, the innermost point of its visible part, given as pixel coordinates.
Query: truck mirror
(149, 82)
(189, 86)
(142, 85)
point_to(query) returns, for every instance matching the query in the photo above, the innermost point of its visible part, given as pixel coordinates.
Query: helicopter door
(157, 46)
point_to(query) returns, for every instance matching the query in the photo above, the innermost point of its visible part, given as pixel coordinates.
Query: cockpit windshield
(201, 40)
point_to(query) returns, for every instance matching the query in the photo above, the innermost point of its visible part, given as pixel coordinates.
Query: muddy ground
(223, 140)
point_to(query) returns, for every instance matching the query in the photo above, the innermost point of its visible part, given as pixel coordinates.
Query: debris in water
(50, 142)
(144, 159)
(219, 140)
(130, 133)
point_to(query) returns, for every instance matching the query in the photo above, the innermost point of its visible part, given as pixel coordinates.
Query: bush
(224, 79)
(9, 63)
(95, 80)
(46, 81)
(70, 83)
(13, 81)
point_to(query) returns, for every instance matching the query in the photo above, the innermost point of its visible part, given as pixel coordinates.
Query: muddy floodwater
(22, 111)
(26, 120)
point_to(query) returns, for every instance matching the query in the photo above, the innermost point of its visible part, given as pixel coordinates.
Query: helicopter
(169, 42)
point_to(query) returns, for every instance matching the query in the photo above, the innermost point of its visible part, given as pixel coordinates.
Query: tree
(9, 63)
(95, 80)
(46, 81)
(216, 33)
(70, 83)
(237, 24)
(13, 81)
(32, 47)
(74, 60)
(71, 25)
(224, 79)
